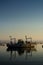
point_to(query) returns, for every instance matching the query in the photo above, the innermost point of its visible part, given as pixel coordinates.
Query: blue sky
(21, 17)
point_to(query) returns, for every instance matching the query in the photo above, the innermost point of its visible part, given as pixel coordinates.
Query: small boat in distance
(42, 46)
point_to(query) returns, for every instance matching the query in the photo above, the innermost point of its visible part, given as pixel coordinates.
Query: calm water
(27, 56)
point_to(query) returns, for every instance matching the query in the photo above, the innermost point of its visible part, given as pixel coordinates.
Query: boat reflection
(21, 51)
(29, 52)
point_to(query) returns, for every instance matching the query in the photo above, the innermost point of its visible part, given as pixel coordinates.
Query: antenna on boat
(14, 40)
(10, 38)
(26, 37)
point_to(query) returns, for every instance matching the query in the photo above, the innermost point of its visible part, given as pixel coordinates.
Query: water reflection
(22, 55)
(21, 51)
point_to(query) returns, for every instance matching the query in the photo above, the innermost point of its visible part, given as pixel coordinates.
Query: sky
(21, 17)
